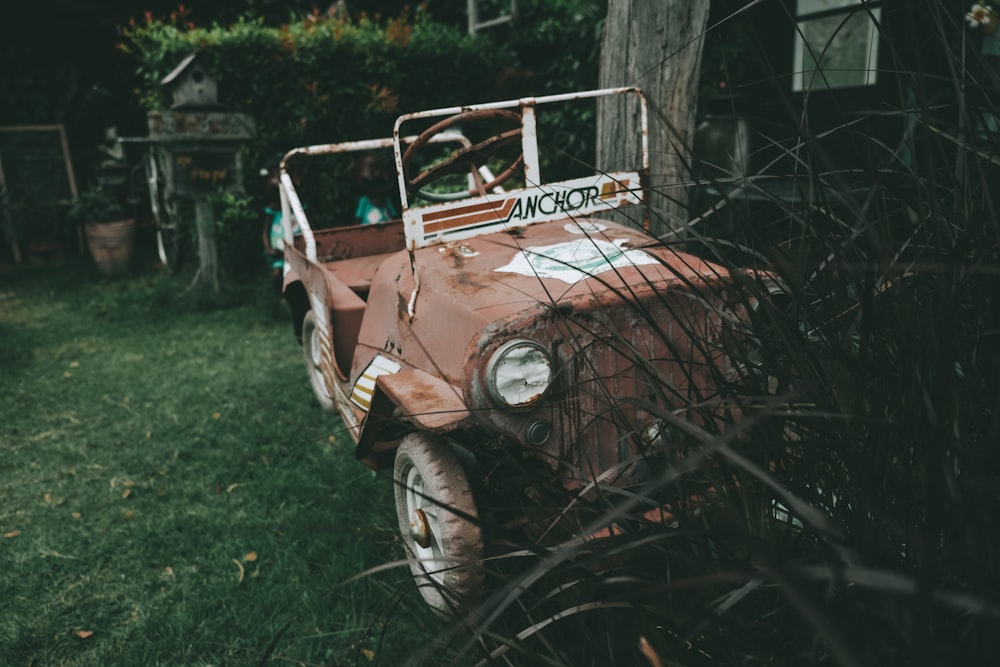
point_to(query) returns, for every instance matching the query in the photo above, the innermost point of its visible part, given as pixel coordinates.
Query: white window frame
(475, 24)
(805, 74)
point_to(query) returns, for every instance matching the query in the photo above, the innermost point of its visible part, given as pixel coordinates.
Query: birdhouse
(191, 85)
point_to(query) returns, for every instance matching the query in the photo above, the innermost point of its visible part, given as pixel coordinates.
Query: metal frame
(291, 205)
(8, 226)
(472, 216)
(529, 134)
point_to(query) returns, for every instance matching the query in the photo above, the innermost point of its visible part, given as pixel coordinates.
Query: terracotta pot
(111, 245)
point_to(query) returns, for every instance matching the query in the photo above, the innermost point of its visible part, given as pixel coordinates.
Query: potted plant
(110, 232)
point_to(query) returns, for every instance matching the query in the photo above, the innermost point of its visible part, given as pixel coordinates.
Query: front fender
(414, 399)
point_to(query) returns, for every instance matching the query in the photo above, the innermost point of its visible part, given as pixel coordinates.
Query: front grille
(623, 366)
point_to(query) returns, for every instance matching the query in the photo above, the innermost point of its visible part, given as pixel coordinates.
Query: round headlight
(518, 373)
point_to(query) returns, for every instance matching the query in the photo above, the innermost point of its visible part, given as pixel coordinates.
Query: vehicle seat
(358, 272)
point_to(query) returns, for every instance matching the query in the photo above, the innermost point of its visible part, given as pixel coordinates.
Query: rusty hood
(453, 300)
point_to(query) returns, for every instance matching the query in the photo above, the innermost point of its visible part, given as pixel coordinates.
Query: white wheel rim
(431, 557)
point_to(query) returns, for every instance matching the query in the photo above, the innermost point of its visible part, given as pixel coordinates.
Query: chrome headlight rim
(504, 353)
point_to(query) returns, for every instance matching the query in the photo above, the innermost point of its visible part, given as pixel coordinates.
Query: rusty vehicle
(501, 318)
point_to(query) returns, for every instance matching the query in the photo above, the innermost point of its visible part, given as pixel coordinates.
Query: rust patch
(430, 403)
(468, 280)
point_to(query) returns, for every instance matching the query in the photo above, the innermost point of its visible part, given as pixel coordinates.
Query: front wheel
(312, 351)
(439, 523)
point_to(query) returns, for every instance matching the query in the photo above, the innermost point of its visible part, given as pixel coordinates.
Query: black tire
(312, 352)
(430, 481)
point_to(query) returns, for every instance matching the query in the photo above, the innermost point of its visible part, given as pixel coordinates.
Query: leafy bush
(95, 205)
(238, 233)
(320, 79)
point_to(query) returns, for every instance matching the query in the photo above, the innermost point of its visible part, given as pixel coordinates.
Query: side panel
(317, 284)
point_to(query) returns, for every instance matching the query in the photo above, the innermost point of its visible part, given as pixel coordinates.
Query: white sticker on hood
(572, 261)
(585, 227)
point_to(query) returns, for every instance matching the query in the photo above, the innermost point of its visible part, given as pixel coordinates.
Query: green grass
(169, 484)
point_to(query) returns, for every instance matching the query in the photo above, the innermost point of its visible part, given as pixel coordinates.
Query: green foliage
(321, 79)
(238, 233)
(95, 204)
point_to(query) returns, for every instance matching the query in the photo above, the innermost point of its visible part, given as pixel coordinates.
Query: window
(476, 14)
(836, 43)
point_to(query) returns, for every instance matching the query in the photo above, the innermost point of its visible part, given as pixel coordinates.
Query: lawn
(171, 493)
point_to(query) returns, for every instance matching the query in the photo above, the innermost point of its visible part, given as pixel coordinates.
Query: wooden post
(657, 47)
(208, 263)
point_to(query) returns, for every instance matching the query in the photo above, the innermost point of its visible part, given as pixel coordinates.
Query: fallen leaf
(67, 374)
(74, 364)
(84, 634)
(368, 653)
(128, 514)
(76, 515)
(216, 415)
(47, 497)
(127, 493)
(250, 557)
(332, 438)
(168, 571)
(239, 579)
(13, 533)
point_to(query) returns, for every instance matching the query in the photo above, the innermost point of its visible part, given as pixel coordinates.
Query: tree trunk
(655, 45)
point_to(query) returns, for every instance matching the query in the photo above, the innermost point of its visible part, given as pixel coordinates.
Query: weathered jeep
(515, 321)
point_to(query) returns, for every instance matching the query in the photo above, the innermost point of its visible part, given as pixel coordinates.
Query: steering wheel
(467, 157)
